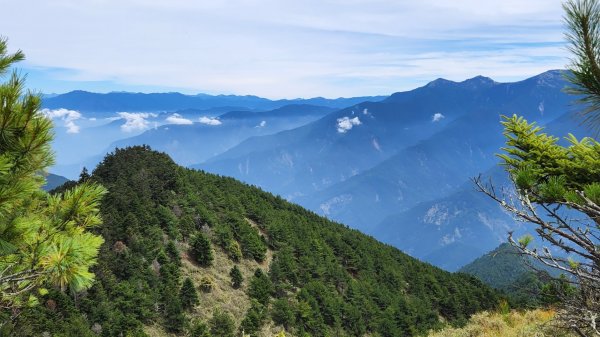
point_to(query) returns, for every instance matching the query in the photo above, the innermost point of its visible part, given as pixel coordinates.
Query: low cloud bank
(67, 116)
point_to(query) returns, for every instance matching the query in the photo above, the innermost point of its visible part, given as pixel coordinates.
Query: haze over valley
(397, 167)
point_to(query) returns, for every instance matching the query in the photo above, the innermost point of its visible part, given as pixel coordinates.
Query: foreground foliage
(558, 191)
(558, 187)
(45, 240)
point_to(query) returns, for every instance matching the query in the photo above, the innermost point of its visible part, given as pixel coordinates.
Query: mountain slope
(440, 164)
(500, 268)
(465, 223)
(409, 148)
(53, 181)
(521, 277)
(301, 272)
(352, 139)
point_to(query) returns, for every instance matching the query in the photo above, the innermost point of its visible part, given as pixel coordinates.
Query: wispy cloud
(178, 119)
(326, 47)
(209, 120)
(67, 116)
(136, 121)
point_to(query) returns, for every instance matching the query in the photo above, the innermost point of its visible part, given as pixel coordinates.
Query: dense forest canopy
(317, 277)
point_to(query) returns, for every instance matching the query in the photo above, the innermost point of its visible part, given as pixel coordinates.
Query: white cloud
(178, 119)
(209, 121)
(346, 124)
(135, 121)
(67, 116)
(437, 117)
(93, 119)
(262, 124)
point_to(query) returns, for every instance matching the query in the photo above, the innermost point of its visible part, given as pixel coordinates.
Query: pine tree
(84, 175)
(199, 330)
(222, 325)
(173, 253)
(236, 277)
(260, 287)
(201, 250)
(43, 238)
(174, 317)
(188, 294)
(550, 178)
(254, 319)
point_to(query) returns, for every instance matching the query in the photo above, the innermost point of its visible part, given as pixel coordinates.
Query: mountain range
(388, 173)
(151, 102)
(398, 167)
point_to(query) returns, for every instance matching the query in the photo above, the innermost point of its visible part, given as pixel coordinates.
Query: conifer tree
(550, 178)
(84, 175)
(200, 330)
(174, 317)
(44, 239)
(188, 294)
(222, 325)
(173, 252)
(260, 287)
(236, 277)
(201, 250)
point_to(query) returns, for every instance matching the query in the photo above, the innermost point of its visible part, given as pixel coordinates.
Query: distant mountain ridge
(381, 130)
(53, 181)
(127, 101)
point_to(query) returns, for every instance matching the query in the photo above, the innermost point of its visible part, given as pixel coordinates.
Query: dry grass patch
(534, 323)
(223, 296)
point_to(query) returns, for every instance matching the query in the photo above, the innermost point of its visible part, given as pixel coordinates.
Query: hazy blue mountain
(53, 181)
(464, 224)
(188, 144)
(349, 141)
(411, 189)
(127, 101)
(72, 148)
(440, 125)
(440, 164)
(451, 231)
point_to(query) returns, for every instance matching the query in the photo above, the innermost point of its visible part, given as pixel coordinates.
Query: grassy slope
(534, 323)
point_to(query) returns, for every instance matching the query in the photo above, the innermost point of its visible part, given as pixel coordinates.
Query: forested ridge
(171, 232)
(526, 282)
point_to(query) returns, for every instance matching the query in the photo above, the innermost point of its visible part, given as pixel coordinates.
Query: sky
(280, 48)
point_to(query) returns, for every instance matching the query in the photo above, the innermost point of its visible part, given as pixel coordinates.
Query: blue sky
(280, 48)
